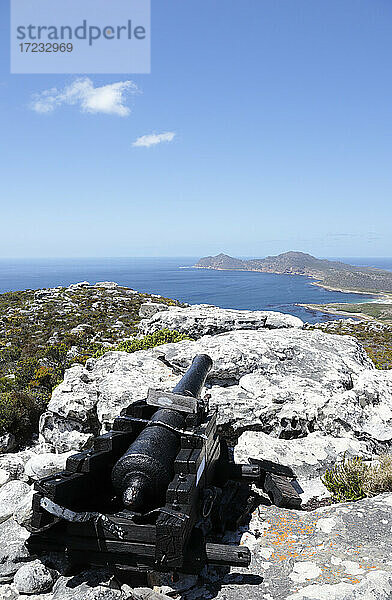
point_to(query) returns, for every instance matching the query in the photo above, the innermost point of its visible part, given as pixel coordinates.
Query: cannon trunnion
(150, 493)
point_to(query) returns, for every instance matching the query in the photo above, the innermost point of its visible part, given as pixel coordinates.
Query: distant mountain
(330, 274)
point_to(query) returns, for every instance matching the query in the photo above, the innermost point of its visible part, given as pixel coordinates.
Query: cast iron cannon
(155, 492)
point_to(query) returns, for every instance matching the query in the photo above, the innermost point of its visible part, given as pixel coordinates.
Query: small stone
(34, 578)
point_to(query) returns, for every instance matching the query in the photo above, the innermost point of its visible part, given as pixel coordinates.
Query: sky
(264, 126)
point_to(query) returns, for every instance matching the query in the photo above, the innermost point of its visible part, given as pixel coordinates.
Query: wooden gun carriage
(150, 493)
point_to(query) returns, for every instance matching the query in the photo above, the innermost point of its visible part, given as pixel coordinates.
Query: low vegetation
(354, 479)
(45, 332)
(376, 338)
(381, 311)
(164, 336)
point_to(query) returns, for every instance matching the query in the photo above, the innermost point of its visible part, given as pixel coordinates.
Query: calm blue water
(228, 289)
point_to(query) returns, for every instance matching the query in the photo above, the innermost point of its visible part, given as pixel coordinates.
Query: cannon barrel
(144, 472)
(191, 384)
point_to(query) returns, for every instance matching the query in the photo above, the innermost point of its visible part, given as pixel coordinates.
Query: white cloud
(108, 99)
(145, 141)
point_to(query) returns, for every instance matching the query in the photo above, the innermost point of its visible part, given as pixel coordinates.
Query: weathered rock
(275, 379)
(202, 319)
(110, 285)
(118, 379)
(148, 594)
(8, 592)
(309, 456)
(287, 383)
(339, 552)
(124, 378)
(43, 465)
(13, 552)
(64, 434)
(14, 463)
(7, 442)
(149, 309)
(89, 585)
(4, 477)
(34, 578)
(325, 359)
(376, 585)
(11, 497)
(76, 396)
(24, 510)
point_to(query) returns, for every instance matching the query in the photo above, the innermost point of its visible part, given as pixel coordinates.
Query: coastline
(315, 281)
(376, 297)
(328, 309)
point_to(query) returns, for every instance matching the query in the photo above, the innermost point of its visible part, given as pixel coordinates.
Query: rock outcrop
(203, 319)
(299, 397)
(286, 383)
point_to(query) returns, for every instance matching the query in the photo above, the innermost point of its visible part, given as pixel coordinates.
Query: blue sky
(276, 118)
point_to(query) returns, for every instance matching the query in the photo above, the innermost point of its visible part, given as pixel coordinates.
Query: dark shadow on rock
(219, 578)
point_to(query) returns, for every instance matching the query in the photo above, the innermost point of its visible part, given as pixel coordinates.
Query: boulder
(286, 383)
(202, 319)
(75, 397)
(11, 497)
(309, 456)
(149, 309)
(118, 379)
(34, 578)
(62, 434)
(43, 465)
(376, 585)
(14, 463)
(13, 552)
(109, 285)
(24, 509)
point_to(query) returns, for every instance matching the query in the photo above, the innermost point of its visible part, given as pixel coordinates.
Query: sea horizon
(166, 276)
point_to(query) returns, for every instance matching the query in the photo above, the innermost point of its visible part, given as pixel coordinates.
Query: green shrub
(20, 412)
(57, 353)
(44, 377)
(9, 354)
(163, 336)
(6, 384)
(25, 371)
(352, 479)
(379, 479)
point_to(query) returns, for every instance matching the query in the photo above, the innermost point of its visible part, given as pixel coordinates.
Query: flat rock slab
(203, 319)
(341, 552)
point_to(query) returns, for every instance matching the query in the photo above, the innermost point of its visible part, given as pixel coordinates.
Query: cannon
(157, 491)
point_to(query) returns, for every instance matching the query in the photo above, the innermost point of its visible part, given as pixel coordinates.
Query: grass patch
(353, 479)
(376, 310)
(163, 336)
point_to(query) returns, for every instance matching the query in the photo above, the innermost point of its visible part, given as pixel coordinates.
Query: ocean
(174, 278)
